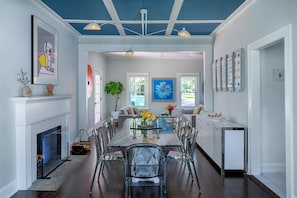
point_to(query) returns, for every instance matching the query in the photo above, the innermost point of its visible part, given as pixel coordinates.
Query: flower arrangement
(23, 78)
(147, 115)
(170, 108)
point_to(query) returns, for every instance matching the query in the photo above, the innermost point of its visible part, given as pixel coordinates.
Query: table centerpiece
(170, 108)
(146, 120)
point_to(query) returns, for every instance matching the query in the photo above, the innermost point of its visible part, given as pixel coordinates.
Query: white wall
(15, 50)
(117, 69)
(253, 23)
(261, 18)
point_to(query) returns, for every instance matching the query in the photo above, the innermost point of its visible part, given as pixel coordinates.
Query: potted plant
(115, 89)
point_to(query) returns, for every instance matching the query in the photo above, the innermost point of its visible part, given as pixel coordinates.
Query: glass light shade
(92, 26)
(184, 33)
(129, 53)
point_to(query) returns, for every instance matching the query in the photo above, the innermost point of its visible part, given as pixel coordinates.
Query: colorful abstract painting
(44, 56)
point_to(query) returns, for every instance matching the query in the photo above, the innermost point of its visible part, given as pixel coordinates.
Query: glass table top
(161, 134)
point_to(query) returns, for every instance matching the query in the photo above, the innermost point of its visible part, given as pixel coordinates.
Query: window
(188, 90)
(138, 89)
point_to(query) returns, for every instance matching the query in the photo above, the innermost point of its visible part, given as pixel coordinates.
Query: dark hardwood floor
(179, 183)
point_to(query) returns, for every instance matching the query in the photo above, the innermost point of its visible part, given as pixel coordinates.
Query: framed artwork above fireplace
(44, 53)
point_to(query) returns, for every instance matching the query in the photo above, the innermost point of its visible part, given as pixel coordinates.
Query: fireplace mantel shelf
(38, 98)
(33, 109)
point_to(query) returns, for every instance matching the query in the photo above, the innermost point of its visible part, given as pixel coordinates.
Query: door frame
(96, 72)
(254, 98)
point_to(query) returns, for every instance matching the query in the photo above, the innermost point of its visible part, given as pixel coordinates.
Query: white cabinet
(234, 149)
(216, 138)
(224, 142)
(204, 139)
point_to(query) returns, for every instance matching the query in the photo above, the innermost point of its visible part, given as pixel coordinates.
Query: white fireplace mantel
(28, 108)
(34, 115)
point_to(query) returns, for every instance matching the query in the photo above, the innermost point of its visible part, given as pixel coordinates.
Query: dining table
(159, 132)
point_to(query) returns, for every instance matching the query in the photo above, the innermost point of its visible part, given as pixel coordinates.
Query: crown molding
(233, 16)
(54, 16)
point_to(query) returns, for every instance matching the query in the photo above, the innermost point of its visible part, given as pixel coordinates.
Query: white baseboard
(273, 167)
(8, 190)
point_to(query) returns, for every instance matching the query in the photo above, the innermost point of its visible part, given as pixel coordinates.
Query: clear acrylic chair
(183, 126)
(176, 123)
(109, 128)
(113, 124)
(103, 155)
(186, 154)
(145, 165)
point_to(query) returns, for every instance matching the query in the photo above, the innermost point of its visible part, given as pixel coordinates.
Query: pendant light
(184, 33)
(129, 53)
(92, 26)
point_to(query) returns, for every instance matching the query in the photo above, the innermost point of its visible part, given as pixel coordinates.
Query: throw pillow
(197, 110)
(135, 110)
(131, 110)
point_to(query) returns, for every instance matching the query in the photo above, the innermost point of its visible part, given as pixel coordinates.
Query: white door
(97, 99)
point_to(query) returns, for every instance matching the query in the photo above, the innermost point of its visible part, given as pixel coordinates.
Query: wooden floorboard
(179, 183)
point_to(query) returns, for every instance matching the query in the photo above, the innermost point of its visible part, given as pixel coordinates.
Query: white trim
(173, 16)
(147, 86)
(254, 113)
(9, 189)
(233, 16)
(55, 16)
(34, 115)
(198, 88)
(103, 22)
(114, 16)
(98, 72)
(273, 167)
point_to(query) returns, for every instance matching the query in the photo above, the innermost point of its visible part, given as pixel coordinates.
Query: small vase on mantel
(170, 113)
(26, 91)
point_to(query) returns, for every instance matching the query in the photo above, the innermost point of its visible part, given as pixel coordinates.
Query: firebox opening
(48, 152)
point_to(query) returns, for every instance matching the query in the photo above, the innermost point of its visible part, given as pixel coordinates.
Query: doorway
(270, 116)
(97, 99)
(272, 99)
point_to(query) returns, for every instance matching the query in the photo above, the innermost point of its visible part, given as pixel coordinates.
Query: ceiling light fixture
(129, 53)
(92, 26)
(184, 33)
(144, 27)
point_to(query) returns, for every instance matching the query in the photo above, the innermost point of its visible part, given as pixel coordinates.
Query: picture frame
(163, 89)
(44, 52)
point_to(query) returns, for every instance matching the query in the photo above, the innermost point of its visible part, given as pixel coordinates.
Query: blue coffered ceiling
(164, 17)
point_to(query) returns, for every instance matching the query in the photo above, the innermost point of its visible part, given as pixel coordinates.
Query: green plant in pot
(115, 89)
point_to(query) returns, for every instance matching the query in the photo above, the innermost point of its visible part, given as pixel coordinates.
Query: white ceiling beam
(87, 21)
(114, 16)
(199, 21)
(173, 16)
(139, 22)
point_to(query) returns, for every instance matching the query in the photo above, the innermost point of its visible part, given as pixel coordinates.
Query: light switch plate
(278, 75)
